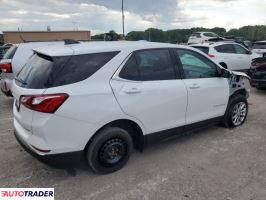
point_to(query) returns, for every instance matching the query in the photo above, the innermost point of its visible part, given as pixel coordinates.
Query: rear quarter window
(44, 72)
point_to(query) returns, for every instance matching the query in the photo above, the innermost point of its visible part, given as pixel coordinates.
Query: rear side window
(10, 53)
(203, 49)
(155, 65)
(149, 65)
(44, 72)
(80, 67)
(226, 48)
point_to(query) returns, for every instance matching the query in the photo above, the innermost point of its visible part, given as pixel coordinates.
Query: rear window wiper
(21, 81)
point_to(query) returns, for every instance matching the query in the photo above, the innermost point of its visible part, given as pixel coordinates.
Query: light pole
(123, 19)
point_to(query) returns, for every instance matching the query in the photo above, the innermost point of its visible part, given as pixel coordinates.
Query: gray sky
(104, 15)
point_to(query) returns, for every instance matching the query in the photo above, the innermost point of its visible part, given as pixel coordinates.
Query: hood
(240, 74)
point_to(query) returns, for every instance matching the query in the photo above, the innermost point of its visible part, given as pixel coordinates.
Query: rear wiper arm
(21, 81)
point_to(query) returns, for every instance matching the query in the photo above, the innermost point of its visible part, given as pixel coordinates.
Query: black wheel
(236, 112)
(109, 150)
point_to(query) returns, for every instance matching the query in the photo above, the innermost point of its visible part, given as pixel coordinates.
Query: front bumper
(55, 160)
(258, 78)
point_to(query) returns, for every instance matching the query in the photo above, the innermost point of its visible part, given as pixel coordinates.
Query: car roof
(263, 41)
(98, 47)
(213, 44)
(204, 32)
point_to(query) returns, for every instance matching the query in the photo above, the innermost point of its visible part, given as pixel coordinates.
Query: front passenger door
(149, 89)
(207, 94)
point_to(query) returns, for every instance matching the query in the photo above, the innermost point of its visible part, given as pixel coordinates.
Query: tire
(236, 112)
(109, 150)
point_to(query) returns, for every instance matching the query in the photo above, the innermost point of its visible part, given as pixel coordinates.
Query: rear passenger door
(227, 54)
(148, 88)
(208, 94)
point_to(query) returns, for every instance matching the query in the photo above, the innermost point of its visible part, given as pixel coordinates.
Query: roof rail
(70, 41)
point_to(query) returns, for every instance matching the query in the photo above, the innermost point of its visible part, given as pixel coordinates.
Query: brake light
(211, 55)
(44, 103)
(6, 67)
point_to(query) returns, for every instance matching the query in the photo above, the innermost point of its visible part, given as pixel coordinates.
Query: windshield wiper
(21, 81)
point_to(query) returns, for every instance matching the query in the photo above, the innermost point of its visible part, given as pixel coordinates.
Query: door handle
(194, 86)
(133, 91)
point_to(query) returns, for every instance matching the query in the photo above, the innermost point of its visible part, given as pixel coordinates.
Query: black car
(3, 50)
(258, 73)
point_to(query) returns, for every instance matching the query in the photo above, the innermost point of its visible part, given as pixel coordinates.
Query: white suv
(201, 37)
(259, 49)
(14, 59)
(100, 99)
(230, 55)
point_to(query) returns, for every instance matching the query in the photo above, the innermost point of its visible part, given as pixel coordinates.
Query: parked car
(259, 49)
(14, 59)
(3, 50)
(100, 99)
(229, 55)
(258, 73)
(202, 37)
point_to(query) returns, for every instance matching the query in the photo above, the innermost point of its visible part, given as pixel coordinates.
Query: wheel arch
(240, 92)
(134, 129)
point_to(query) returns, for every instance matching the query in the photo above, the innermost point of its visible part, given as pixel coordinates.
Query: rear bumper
(56, 160)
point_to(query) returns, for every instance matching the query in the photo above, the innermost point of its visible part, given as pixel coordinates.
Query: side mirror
(248, 52)
(223, 73)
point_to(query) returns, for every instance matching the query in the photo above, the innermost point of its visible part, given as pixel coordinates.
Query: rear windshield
(203, 49)
(3, 51)
(44, 72)
(195, 35)
(10, 53)
(259, 45)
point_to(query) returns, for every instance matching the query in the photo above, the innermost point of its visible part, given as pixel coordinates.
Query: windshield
(10, 53)
(259, 45)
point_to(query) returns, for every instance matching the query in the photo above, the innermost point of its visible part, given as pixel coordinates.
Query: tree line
(252, 33)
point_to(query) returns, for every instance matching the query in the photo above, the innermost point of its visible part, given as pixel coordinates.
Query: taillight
(211, 55)
(48, 103)
(6, 67)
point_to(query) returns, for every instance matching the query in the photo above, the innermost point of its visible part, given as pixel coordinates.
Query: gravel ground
(215, 163)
